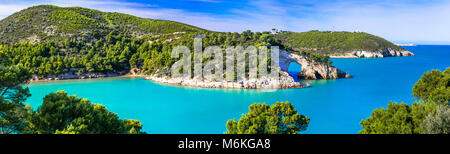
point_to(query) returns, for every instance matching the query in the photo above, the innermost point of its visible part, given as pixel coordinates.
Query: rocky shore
(285, 81)
(72, 75)
(377, 54)
(310, 70)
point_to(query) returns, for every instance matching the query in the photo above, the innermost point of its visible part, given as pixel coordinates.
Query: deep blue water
(334, 106)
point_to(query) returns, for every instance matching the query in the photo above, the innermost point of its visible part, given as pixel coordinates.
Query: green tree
(13, 113)
(437, 122)
(431, 90)
(397, 118)
(280, 118)
(330, 43)
(434, 85)
(13, 117)
(64, 114)
(12, 79)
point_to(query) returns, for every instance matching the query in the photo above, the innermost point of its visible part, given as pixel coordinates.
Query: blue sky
(401, 21)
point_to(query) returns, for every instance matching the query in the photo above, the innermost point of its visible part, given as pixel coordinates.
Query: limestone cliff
(285, 81)
(374, 54)
(310, 70)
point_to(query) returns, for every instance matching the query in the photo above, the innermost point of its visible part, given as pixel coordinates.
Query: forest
(334, 42)
(118, 53)
(50, 40)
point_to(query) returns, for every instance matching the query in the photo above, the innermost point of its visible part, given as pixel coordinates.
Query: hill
(65, 43)
(345, 44)
(46, 22)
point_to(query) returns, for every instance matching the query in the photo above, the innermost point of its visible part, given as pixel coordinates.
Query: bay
(334, 106)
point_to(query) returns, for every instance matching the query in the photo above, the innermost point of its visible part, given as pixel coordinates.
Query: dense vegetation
(119, 53)
(64, 114)
(44, 59)
(46, 23)
(81, 41)
(434, 85)
(12, 110)
(280, 118)
(437, 122)
(50, 40)
(397, 118)
(332, 43)
(429, 115)
(59, 112)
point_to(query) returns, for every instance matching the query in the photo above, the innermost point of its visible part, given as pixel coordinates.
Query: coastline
(285, 82)
(118, 76)
(377, 54)
(325, 98)
(247, 84)
(311, 69)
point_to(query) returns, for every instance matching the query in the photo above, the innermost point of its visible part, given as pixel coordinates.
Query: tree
(437, 122)
(11, 80)
(434, 85)
(13, 117)
(13, 113)
(431, 90)
(280, 118)
(64, 114)
(397, 118)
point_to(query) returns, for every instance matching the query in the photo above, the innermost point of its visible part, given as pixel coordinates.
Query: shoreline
(168, 81)
(284, 82)
(118, 76)
(377, 54)
(307, 85)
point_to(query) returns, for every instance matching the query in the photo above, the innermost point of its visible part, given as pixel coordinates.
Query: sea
(334, 106)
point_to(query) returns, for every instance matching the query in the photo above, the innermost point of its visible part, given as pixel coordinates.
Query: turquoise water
(334, 106)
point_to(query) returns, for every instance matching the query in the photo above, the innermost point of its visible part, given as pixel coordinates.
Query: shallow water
(334, 106)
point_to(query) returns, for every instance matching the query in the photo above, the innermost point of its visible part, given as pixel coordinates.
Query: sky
(400, 21)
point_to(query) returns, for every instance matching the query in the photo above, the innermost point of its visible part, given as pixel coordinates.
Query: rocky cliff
(374, 54)
(310, 70)
(284, 82)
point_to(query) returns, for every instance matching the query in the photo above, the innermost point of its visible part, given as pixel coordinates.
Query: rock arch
(311, 69)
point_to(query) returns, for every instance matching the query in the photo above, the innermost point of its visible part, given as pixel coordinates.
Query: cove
(334, 106)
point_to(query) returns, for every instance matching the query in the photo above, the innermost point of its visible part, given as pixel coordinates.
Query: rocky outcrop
(285, 81)
(374, 54)
(311, 69)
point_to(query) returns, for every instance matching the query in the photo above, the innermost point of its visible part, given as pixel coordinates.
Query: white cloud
(410, 23)
(398, 22)
(6, 10)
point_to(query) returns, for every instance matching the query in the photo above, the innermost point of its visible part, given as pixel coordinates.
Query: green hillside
(118, 53)
(327, 42)
(50, 40)
(45, 22)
